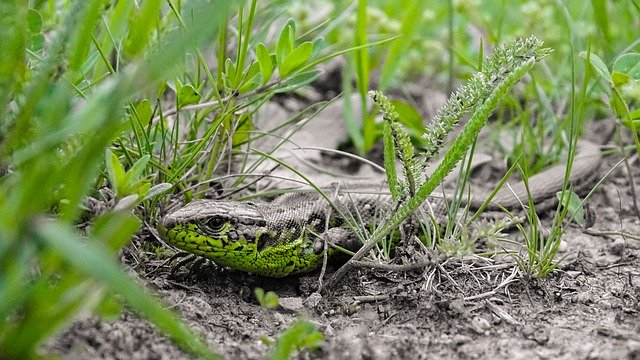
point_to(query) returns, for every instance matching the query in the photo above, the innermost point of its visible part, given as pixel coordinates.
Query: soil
(467, 306)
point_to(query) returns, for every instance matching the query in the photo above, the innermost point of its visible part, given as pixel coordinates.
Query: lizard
(286, 236)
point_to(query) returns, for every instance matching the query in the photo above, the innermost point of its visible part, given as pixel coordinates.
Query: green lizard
(286, 236)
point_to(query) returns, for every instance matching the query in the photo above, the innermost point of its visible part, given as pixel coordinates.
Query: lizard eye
(215, 224)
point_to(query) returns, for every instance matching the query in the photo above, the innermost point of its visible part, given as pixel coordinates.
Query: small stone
(291, 303)
(584, 297)
(457, 306)
(480, 325)
(603, 261)
(329, 330)
(563, 247)
(615, 303)
(573, 273)
(313, 300)
(617, 247)
(527, 331)
(541, 336)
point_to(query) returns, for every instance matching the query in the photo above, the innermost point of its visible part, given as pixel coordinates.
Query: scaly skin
(289, 258)
(280, 238)
(286, 236)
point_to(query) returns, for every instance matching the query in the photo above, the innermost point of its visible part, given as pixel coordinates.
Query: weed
(482, 93)
(624, 83)
(300, 335)
(268, 300)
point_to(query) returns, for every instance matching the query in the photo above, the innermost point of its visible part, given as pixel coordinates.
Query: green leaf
(115, 171)
(36, 42)
(158, 189)
(619, 79)
(363, 70)
(298, 57)
(242, 132)
(285, 41)
(252, 71)
(230, 71)
(34, 21)
(299, 80)
(266, 65)
(301, 334)
(628, 64)
(318, 44)
(573, 204)
(187, 95)
(136, 170)
(144, 112)
(620, 107)
(141, 188)
(253, 77)
(601, 18)
(399, 48)
(126, 203)
(634, 116)
(249, 85)
(144, 22)
(110, 308)
(268, 300)
(83, 33)
(598, 65)
(15, 276)
(408, 115)
(114, 230)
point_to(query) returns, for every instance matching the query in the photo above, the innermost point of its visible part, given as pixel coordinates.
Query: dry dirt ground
(464, 307)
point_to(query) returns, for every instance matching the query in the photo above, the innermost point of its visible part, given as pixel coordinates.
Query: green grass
(479, 97)
(134, 103)
(62, 106)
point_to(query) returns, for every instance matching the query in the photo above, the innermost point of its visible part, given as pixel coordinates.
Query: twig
(325, 243)
(391, 267)
(370, 298)
(502, 314)
(595, 232)
(634, 196)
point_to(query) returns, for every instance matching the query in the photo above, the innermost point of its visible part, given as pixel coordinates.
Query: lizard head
(222, 231)
(238, 235)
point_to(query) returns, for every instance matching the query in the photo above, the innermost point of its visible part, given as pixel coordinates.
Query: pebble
(313, 300)
(584, 297)
(563, 247)
(617, 247)
(480, 325)
(539, 335)
(573, 273)
(291, 303)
